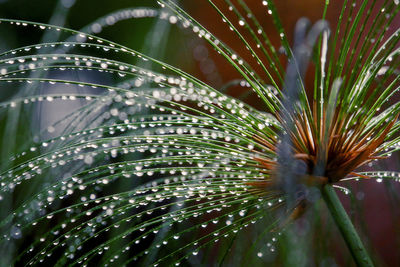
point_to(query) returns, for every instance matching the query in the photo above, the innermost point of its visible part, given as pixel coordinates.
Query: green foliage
(143, 163)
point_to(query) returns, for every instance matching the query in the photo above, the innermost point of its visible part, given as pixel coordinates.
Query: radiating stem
(346, 227)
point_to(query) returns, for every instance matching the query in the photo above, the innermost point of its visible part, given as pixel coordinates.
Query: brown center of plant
(345, 150)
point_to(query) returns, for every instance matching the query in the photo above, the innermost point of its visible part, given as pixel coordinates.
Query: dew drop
(16, 232)
(50, 129)
(88, 160)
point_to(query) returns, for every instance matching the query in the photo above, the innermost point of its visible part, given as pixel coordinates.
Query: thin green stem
(346, 227)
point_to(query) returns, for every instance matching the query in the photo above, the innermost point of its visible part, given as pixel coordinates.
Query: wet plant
(156, 167)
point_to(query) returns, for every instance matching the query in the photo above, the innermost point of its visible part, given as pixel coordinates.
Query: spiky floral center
(345, 150)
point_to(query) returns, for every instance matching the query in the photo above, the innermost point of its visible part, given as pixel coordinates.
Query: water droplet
(16, 232)
(173, 19)
(88, 160)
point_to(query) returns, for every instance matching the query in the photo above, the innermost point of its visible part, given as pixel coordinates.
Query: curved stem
(346, 227)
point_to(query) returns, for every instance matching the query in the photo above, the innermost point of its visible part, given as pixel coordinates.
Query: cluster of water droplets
(184, 151)
(184, 147)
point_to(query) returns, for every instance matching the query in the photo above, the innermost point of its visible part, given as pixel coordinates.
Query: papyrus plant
(157, 167)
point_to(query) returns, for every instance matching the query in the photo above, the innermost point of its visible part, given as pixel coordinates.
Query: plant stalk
(346, 227)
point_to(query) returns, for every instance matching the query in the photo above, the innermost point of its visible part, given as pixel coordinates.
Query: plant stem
(346, 227)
